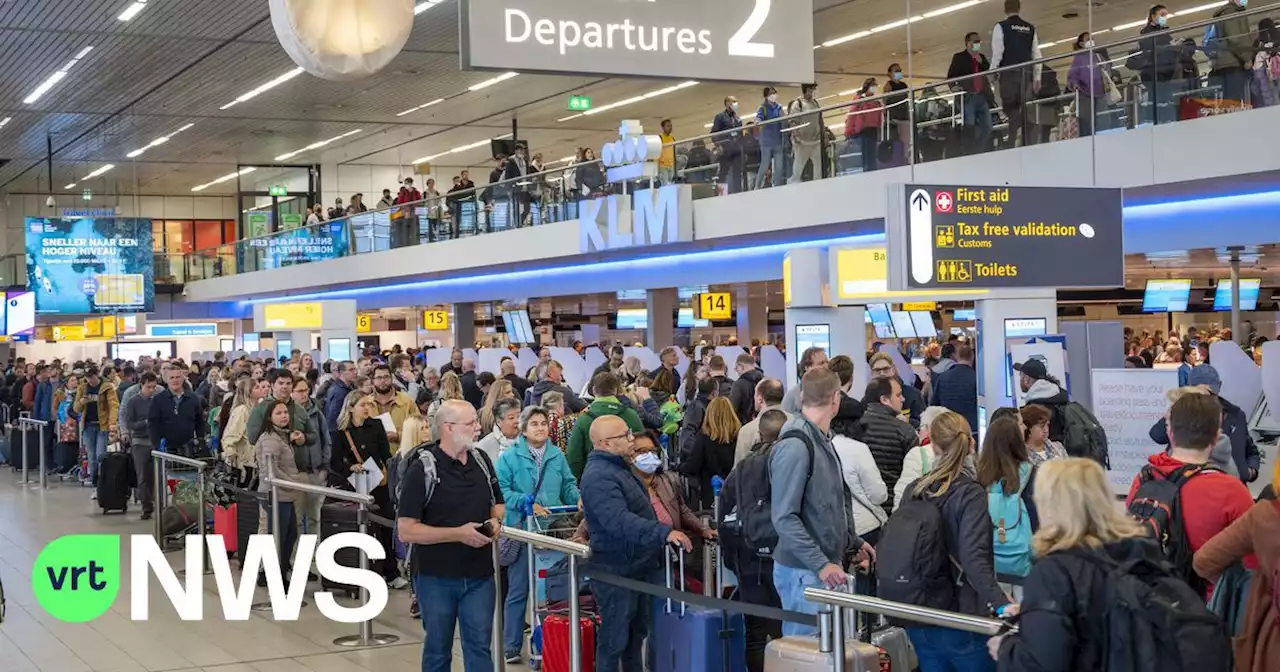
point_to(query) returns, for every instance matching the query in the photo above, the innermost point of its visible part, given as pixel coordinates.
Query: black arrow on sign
(920, 202)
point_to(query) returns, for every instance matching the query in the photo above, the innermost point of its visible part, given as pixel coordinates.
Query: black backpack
(912, 562)
(1158, 506)
(1155, 622)
(1083, 435)
(753, 500)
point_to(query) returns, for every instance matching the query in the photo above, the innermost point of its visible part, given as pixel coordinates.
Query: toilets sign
(727, 40)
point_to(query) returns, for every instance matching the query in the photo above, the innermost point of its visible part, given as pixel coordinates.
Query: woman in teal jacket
(518, 469)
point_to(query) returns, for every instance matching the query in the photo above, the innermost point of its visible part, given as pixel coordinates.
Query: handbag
(359, 459)
(509, 549)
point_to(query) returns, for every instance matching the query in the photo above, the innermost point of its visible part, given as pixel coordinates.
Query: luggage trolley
(543, 570)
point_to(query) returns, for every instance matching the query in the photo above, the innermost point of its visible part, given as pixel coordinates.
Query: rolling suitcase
(336, 519)
(15, 446)
(801, 654)
(876, 629)
(246, 523)
(688, 638)
(555, 642)
(116, 479)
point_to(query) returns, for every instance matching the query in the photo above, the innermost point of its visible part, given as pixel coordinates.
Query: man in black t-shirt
(446, 521)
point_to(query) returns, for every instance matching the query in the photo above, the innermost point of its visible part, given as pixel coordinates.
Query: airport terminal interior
(579, 199)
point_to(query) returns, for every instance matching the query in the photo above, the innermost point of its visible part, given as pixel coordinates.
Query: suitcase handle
(667, 550)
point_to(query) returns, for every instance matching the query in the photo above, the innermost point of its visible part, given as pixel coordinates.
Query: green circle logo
(76, 577)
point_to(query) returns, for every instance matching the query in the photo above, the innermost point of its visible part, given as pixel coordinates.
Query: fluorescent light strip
(633, 99)
(463, 148)
(70, 186)
(157, 142)
(490, 82)
(317, 145)
(425, 5)
(1134, 24)
(224, 178)
(265, 87)
(901, 22)
(92, 175)
(424, 106)
(5, 122)
(56, 77)
(132, 10)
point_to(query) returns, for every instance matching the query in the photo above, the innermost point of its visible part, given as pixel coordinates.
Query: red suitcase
(555, 643)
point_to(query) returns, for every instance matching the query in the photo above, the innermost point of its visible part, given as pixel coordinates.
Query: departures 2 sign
(976, 237)
(728, 40)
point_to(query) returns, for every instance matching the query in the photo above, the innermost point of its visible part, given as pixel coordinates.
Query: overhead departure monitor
(1167, 296)
(1249, 290)
(902, 324)
(880, 320)
(923, 322)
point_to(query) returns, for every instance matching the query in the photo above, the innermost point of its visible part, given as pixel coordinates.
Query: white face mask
(871, 90)
(1088, 44)
(733, 106)
(773, 98)
(647, 463)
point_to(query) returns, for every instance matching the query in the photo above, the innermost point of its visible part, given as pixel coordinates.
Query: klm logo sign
(647, 217)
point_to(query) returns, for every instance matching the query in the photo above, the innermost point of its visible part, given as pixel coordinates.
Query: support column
(1236, 331)
(842, 330)
(463, 325)
(302, 340)
(752, 316)
(661, 332)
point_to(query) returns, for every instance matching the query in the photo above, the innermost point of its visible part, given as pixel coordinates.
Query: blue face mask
(1162, 21)
(897, 76)
(647, 463)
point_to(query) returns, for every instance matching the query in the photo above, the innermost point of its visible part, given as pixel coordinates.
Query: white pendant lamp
(342, 39)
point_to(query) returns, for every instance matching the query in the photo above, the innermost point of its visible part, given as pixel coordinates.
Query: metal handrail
(344, 495)
(575, 553)
(26, 455)
(923, 615)
(187, 461)
(549, 543)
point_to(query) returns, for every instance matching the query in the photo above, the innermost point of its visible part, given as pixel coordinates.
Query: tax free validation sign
(726, 40)
(975, 237)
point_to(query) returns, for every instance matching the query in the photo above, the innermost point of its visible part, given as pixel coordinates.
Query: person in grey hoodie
(551, 377)
(808, 496)
(133, 417)
(313, 458)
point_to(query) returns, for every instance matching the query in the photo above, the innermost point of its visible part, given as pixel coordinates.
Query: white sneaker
(398, 583)
(93, 496)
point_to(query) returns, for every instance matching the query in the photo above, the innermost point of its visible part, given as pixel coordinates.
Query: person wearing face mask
(532, 478)
(404, 221)
(899, 114)
(977, 100)
(806, 133)
(1089, 76)
(862, 125)
(435, 210)
(728, 139)
(1266, 64)
(387, 201)
(1229, 43)
(1014, 41)
(590, 175)
(1158, 64)
(770, 138)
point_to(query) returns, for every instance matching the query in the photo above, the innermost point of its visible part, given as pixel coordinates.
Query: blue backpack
(1012, 526)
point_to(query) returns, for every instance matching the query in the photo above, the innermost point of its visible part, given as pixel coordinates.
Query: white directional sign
(727, 40)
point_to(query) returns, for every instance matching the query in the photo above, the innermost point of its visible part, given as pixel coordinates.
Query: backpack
(1012, 526)
(1156, 622)
(753, 500)
(1210, 42)
(1083, 435)
(1158, 506)
(422, 457)
(913, 565)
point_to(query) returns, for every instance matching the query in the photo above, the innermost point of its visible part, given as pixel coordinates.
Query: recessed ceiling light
(628, 101)
(425, 5)
(5, 122)
(70, 186)
(56, 77)
(490, 82)
(225, 178)
(316, 145)
(157, 142)
(132, 10)
(92, 175)
(264, 88)
(463, 148)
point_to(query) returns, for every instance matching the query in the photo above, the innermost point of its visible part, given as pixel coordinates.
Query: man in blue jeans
(98, 406)
(626, 540)
(976, 95)
(449, 498)
(807, 492)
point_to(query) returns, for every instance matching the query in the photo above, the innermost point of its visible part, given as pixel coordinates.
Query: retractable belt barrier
(575, 552)
(161, 459)
(25, 424)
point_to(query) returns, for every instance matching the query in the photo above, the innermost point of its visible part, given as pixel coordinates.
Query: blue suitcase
(688, 638)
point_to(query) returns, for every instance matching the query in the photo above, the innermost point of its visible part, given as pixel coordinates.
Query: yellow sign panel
(435, 320)
(293, 315)
(364, 323)
(862, 271)
(69, 332)
(93, 328)
(120, 290)
(786, 281)
(922, 305)
(713, 306)
(42, 334)
(108, 327)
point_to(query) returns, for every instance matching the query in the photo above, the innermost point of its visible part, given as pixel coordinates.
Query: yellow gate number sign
(364, 323)
(435, 320)
(714, 306)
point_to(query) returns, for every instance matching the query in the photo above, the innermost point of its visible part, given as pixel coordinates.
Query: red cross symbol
(943, 200)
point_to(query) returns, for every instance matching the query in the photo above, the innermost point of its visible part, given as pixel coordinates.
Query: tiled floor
(30, 640)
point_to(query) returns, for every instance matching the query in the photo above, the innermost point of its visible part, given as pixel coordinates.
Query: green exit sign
(579, 104)
(278, 190)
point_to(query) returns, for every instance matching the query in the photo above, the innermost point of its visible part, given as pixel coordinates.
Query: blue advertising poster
(303, 246)
(90, 265)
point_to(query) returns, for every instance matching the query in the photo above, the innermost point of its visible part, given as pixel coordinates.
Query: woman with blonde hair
(951, 486)
(416, 432)
(712, 453)
(237, 451)
(1082, 535)
(450, 389)
(500, 389)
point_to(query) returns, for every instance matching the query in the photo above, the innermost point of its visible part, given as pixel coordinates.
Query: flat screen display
(252, 343)
(227, 344)
(902, 324)
(519, 330)
(965, 315)
(813, 335)
(684, 319)
(340, 349)
(284, 347)
(880, 320)
(923, 322)
(1019, 327)
(1249, 290)
(85, 265)
(1166, 296)
(132, 351)
(633, 318)
(20, 314)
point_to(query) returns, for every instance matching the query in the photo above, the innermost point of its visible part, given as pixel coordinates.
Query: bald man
(626, 540)
(451, 529)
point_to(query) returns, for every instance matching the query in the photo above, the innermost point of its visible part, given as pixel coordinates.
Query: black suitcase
(246, 523)
(335, 519)
(15, 446)
(116, 480)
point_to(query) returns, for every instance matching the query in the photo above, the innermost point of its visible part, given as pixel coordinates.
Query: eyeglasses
(473, 423)
(628, 436)
(883, 369)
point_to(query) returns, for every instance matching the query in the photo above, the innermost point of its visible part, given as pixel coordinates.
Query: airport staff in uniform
(1014, 41)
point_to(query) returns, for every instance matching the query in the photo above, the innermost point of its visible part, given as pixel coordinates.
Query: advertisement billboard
(88, 265)
(302, 246)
